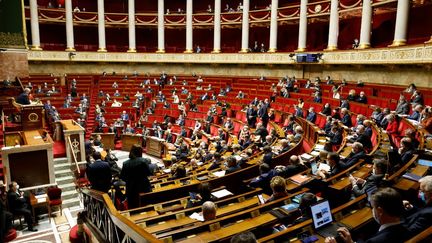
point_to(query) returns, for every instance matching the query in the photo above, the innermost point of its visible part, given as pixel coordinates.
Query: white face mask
(17, 186)
(373, 171)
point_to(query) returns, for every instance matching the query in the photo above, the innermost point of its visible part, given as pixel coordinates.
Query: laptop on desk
(323, 220)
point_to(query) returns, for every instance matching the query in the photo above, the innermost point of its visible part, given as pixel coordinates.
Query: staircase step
(62, 166)
(72, 202)
(67, 186)
(69, 194)
(60, 173)
(60, 160)
(64, 179)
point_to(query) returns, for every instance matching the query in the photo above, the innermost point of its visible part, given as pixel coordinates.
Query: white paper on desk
(167, 171)
(219, 173)
(197, 216)
(324, 167)
(315, 153)
(221, 193)
(319, 147)
(40, 200)
(306, 156)
(41, 196)
(322, 140)
(37, 137)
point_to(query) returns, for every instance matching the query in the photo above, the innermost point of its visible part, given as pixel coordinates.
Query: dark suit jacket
(346, 120)
(263, 181)
(268, 158)
(23, 99)
(232, 169)
(352, 159)
(394, 234)
(135, 173)
(419, 221)
(15, 202)
(291, 170)
(371, 181)
(311, 117)
(402, 108)
(99, 175)
(365, 140)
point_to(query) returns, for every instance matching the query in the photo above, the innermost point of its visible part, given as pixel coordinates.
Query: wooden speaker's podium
(28, 159)
(155, 146)
(32, 116)
(74, 140)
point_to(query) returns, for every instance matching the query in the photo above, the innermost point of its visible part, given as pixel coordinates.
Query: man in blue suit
(387, 210)
(420, 218)
(311, 115)
(124, 116)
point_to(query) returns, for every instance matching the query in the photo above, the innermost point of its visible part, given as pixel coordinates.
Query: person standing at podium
(135, 173)
(23, 98)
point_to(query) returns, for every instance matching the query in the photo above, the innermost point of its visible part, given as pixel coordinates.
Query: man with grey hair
(420, 219)
(23, 98)
(208, 210)
(362, 137)
(356, 154)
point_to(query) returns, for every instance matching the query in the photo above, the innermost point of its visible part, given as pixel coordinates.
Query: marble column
(189, 27)
(333, 26)
(273, 26)
(161, 27)
(34, 21)
(302, 37)
(131, 20)
(70, 45)
(245, 27)
(217, 27)
(101, 26)
(366, 22)
(401, 26)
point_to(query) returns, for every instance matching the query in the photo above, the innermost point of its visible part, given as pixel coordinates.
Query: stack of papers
(306, 156)
(323, 166)
(197, 216)
(219, 173)
(221, 193)
(319, 147)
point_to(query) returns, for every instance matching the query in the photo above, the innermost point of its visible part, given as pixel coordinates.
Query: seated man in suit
(311, 115)
(361, 137)
(263, 180)
(294, 166)
(420, 219)
(346, 118)
(232, 165)
(387, 209)
(356, 154)
(360, 186)
(209, 210)
(19, 205)
(333, 161)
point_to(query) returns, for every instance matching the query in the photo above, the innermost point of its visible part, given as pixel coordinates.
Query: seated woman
(278, 186)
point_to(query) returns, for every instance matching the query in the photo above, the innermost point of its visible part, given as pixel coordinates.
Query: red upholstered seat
(10, 236)
(55, 202)
(75, 238)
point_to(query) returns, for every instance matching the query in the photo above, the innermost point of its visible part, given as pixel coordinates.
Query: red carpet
(59, 149)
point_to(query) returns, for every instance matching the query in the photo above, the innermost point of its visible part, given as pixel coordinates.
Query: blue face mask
(422, 197)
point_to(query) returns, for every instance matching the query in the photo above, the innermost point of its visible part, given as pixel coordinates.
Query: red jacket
(392, 127)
